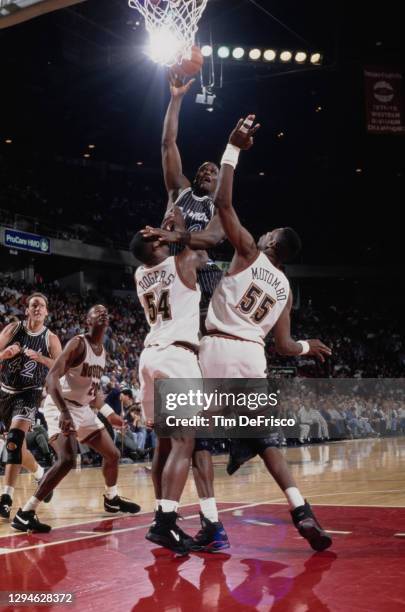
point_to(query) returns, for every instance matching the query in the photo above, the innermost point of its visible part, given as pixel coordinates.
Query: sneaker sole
(20, 528)
(179, 550)
(214, 547)
(114, 511)
(318, 539)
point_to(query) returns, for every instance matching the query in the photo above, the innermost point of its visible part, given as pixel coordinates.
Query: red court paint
(267, 567)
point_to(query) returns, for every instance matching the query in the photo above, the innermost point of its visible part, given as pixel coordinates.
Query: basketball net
(171, 24)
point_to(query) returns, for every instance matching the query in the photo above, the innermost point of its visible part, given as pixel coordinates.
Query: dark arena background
(82, 109)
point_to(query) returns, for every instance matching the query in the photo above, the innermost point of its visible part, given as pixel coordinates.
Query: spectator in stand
(305, 422)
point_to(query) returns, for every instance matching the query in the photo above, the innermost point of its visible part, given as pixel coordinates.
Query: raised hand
(242, 135)
(178, 87)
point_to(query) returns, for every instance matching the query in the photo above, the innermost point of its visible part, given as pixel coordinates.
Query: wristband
(305, 348)
(106, 410)
(231, 155)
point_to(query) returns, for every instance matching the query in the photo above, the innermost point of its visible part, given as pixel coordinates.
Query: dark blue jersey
(198, 212)
(21, 372)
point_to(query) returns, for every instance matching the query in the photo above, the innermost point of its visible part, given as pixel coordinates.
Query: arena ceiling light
(269, 55)
(315, 58)
(238, 53)
(206, 50)
(255, 54)
(223, 52)
(300, 57)
(286, 56)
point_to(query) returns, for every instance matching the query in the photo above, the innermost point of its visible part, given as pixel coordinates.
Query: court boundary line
(8, 551)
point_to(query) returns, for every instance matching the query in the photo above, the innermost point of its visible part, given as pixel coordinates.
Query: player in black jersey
(191, 210)
(28, 349)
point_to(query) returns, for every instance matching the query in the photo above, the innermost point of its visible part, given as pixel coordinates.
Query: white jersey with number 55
(248, 304)
(172, 307)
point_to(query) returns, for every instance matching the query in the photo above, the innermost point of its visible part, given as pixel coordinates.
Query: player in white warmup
(170, 295)
(73, 384)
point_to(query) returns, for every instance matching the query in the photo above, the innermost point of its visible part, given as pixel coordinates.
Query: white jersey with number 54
(172, 307)
(248, 304)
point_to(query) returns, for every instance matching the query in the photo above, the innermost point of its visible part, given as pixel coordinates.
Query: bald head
(283, 243)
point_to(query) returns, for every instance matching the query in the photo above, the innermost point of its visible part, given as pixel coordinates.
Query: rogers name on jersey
(153, 278)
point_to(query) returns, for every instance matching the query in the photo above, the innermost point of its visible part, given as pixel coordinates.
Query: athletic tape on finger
(246, 125)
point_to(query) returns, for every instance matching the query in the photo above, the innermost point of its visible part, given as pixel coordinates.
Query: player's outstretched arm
(205, 239)
(241, 138)
(175, 180)
(285, 345)
(71, 356)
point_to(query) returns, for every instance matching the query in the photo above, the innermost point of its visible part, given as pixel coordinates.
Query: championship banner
(27, 242)
(384, 101)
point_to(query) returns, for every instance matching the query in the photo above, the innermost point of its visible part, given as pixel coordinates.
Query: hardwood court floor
(358, 488)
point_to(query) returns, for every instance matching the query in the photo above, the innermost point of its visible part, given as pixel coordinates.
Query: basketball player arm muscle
(189, 262)
(238, 236)
(175, 180)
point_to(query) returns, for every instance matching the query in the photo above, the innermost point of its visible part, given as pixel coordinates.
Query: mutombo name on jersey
(198, 212)
(248, 304)
(21, 372)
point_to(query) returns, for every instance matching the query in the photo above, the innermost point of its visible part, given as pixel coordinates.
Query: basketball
(190, 67)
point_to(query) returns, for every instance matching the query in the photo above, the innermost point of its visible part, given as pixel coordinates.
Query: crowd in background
(364, 345)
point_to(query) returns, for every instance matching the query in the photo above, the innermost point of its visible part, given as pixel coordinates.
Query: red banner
(384, 101)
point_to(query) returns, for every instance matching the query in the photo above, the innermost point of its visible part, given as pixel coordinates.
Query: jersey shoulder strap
(181, 194)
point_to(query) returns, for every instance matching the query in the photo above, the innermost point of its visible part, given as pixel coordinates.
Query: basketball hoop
(172, 26)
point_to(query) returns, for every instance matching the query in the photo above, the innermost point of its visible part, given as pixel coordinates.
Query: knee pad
(14, 442)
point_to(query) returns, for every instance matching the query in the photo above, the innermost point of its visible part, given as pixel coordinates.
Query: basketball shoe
(5, 506)
(29, 522)
(120, 504)
(165, 532)
(211, 537)
(307, 525)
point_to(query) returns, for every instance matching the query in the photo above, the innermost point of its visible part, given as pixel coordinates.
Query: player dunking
(168, 291)
(253, 299)
(73, 384)
(28, 350)
(191, 209)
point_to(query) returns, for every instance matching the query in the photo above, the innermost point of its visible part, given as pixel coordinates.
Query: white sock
(294, 498)
(169, 505)
(111, 492)
(32, 504)
(39, 472)
(209, 509)
(158, 503)
(8, 491)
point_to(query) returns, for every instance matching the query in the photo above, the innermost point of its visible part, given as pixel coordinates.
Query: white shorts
(227, 358)
(158, 362)
(85, 420)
